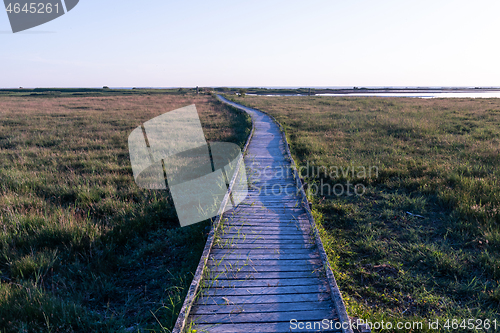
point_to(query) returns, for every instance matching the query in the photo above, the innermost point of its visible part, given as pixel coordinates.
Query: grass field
(82, 248)
(421, 241)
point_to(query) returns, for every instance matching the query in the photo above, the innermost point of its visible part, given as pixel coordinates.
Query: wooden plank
(234, 241)
(278, 185)
(261, 299)
(269, 256)
(275, 327)
(268, 201)
(295, 208)
(249, 220)
(263, 262)
(264, 268)
(257, 228)
(258, 225)
(263, 219)
(256, 194)
(245, 217)
(264, 276)
(262, 308)
(263, 232)
(269, 213)
(238, 218)
(271, 247)
(262, 240)
(285, 216)
(243, 283)
(268, 205)
(264, 223)
(242, 210)
(250, 237)
(227, 240)
(254, 213)
(263, 251)
(242, 317)
(249, 291)
(248, 215)
(264, 227)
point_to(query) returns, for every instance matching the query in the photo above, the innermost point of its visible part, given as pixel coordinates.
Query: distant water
(486, 94)
(432, 92)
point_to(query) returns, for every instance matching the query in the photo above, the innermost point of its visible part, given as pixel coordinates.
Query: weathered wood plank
(268, 216)
(273, 247)
(262, 308)
(234, 241)
(292, 207)
(263, 225)
(268, 211)
(261, 299)
(243, 283)
(271, 231)
(250, 291)
(261, 237)
(268, 202)
(263, 268)
(261, 251)
(242, 317)
(265, 262)
(282, 275)
(289, 208)
(276, 327)
(268, 256)
(269, 225)
(259, 225)
(262, 219)
(249, 222)
(264, 232)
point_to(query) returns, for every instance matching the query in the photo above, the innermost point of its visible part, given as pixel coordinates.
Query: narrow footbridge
(264, 268)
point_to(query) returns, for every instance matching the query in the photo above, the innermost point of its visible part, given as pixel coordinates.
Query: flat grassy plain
(82, 248)
(423, 241)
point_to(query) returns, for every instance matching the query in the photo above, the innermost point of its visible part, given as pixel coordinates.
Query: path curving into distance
(267, 265)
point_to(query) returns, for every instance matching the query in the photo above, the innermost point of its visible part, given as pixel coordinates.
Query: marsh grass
(82, 248)
(437, 158)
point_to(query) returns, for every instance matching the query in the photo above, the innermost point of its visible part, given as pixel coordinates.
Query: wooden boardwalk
(265, 265)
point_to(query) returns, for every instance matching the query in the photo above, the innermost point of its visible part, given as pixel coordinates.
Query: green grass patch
(82, 248)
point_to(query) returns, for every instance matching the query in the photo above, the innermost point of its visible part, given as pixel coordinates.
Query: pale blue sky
(258, 43)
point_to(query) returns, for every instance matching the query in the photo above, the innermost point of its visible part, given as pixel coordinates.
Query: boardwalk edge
(181, 322)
